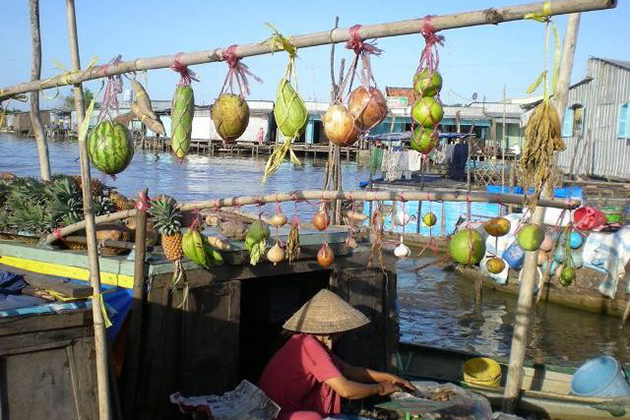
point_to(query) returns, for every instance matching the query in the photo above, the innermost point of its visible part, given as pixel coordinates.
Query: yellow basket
(482, 371)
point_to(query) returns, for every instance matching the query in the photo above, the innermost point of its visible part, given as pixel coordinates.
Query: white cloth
(414, 160)
(608, 253)
(390, 165)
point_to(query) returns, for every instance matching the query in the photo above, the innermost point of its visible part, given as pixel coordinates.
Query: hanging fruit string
(430, 57)
(430, 219)
(113, 88)
(182, 109)
(293, 241)
(289, 110)
(187, 76)
(543, 136)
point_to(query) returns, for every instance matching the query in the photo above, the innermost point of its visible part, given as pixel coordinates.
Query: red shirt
(295, 376)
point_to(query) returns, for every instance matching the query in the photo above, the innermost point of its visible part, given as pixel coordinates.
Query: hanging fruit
(367, 106)
(424, 140)
(402, 251)
(340, 127)
(497, 226)
(256, 241)
(567, 275)
(276, 254)
(110, 147)
(542, 257)
(325, 256)
(427, 82)
(467, 247)
(230, 115)
(154, 125)
(293, 241)
(547, 243)
(530, 237)
(427, 111)
(142, 100)
(321, 220)
(429, 219)
(495, 265)
(278, 220)
(182, 110)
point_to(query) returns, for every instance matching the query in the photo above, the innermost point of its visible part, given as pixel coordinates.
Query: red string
(238, 71)
(57, 233)
(430, 59)
(142, 203)
(113, 88)
(363, 50)
(186, 75)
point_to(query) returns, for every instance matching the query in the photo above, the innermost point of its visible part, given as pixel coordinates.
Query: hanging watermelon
(110, 147)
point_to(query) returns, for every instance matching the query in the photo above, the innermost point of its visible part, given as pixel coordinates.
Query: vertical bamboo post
(133, 350)
(504, 146)
(100, 338)
(526, 293)
(36, 70)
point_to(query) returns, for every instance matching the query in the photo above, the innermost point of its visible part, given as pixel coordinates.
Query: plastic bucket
(600, 377)
(587, 218)
(482, 371)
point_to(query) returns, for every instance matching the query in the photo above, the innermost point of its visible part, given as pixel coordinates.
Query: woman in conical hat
(305, 378)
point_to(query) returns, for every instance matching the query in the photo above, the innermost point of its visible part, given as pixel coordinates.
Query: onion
(402, 251)
(340, 127)
(275, 254)
(325, 256)
(368, 108)
(320, 220)
(278, 220)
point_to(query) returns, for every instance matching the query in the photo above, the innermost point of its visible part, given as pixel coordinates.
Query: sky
(480, 60)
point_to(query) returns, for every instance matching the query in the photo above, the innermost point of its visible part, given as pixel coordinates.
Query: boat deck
(433, 182)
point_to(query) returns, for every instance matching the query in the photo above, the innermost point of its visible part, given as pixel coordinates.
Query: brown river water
(436, 308)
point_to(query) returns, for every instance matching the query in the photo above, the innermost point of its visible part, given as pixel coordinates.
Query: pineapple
(167, 219)
(121, 202)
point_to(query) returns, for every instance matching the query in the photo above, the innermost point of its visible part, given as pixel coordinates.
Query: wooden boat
(545, 392)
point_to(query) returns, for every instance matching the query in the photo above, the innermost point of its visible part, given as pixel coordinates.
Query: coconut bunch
(366, 106)
(182, 110)
(230, 112)
(143, 109)
(289, 109)
(427, 110)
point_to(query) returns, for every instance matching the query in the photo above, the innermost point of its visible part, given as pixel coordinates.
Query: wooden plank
(41, 340)
(44, 322)
(57, 284)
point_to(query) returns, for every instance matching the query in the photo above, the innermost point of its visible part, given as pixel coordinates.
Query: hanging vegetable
(467, 247)
(495, 265)
(543, 132)
(530, 237)
(293, 241)
(142, 100)
(276, 253)
(340, 126)
(256, 241)
(182, 110)
(197, 248)
(427, 110)
(230, 112)
(289, 110)
(110, 146)
(497, 226)
(325, 256)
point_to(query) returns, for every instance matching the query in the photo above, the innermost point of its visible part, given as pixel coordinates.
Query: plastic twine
(237, 71)
(362, 50)
(142, 202)
(65, 77)
(430, 58)
(186, 75)
(113, 88)
(279, 42)
(545, 17)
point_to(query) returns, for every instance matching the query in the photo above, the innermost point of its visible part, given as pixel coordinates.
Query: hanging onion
(340, 127)
(276, 254)
(367, 107)
(320, 220)
(325, 256)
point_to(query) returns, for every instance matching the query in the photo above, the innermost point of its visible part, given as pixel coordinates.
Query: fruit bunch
(427, 111)
(182, 110)
(197, 248)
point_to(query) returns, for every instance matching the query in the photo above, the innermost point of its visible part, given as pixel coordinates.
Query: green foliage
(167, 218)
(68, 101)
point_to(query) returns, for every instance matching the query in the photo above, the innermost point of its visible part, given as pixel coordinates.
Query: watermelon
(110, 147)
(182, 113)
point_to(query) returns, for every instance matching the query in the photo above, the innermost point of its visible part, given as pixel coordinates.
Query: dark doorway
(266, 303)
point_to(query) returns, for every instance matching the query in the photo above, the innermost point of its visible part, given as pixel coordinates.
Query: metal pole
(100, 338)
(36, 70)
(491, 16)
(530, 267)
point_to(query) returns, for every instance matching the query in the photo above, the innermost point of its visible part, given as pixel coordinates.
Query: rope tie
(186, 75)
(237, 71)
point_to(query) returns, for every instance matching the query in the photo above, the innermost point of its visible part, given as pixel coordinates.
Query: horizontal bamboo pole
(490, 16)
(321, 195)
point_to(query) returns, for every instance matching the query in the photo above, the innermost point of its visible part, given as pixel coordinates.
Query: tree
(68, 101)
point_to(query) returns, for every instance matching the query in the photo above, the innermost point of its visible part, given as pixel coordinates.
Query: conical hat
(325, 313)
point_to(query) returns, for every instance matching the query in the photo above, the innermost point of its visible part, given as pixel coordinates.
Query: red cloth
(295, 379)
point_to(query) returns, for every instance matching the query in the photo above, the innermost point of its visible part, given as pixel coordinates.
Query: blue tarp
(570, 192)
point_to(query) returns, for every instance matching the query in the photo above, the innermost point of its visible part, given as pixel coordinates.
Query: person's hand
(386, 388)
(402, 383)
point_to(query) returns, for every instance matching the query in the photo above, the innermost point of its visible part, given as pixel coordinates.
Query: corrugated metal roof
(620, 63)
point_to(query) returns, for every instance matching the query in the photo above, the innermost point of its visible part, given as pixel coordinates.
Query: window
(623, 128)
(567, 124)
(573, 121)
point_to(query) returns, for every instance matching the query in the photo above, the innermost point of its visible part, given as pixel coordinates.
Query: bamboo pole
(514, 380)
(491, 16)
(133, 350)
(473, 196)
(100, 338)
(36, 71)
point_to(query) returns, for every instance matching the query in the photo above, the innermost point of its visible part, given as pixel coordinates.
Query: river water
(437, 308)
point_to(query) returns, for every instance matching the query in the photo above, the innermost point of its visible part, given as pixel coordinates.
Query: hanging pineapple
(182, 110)
(289, 110)
(167, 219)
(230, 112)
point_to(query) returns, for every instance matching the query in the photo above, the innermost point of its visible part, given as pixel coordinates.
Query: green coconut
(467, 247)
(110, 147)
(427, 112)
(530, 237)
(427, 83)
(289, 111)
(423, 140)
(230, 115)
(182, 113)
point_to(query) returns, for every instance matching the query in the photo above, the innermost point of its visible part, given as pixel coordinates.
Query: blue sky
(480, 59)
